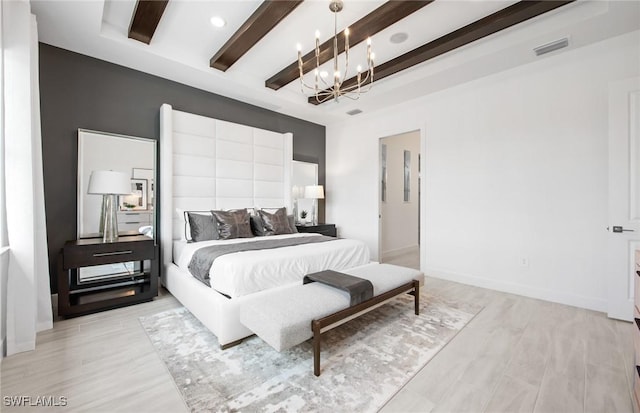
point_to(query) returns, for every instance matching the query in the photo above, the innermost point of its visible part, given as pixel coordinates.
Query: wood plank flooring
(517, 355)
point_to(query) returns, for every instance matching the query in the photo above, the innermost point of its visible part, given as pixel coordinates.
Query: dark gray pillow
(275, 223)
(202, 226)
(233, 224)
(257, 226)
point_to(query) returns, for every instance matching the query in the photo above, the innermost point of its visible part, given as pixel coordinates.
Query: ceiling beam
(500, 20)
(261, 22)
(145, 19)
(379, 19)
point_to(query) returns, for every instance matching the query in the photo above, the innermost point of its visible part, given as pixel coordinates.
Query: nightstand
(138, 283)
(324, 229)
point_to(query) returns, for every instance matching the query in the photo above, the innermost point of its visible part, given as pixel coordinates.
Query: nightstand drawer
(142, 217)
(329, 232)
(86, 254)
(325, 229)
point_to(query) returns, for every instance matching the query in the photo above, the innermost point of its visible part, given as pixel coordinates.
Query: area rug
(364, 362)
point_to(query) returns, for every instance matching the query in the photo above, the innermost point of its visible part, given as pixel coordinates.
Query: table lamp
(109, 184)
(314, 192)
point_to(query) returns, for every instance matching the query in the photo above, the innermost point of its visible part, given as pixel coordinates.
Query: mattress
(247, 272)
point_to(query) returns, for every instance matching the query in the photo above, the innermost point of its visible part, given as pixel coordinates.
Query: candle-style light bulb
(346, 32)
(368, 41)
(359, 68)
(317, 34)
(298, 47)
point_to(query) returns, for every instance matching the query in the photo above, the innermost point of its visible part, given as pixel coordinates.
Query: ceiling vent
(550, 47)
(354, 112)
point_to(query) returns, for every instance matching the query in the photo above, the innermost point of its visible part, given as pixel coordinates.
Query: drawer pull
(133, 222)
(106, 254)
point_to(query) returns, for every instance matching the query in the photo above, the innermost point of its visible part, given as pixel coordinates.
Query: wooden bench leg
(416, 296)
(315, 326)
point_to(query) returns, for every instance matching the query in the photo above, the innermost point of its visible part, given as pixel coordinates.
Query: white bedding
(247, 272)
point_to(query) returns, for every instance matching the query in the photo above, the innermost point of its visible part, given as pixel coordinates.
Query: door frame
(421, 191)
(620, 288)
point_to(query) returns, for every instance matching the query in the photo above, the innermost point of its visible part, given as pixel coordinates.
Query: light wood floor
(517, 354)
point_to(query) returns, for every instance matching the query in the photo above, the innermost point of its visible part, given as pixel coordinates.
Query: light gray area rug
(364, 362)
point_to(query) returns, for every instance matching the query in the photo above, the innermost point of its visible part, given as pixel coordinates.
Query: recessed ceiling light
(218, 21)
(399, 37)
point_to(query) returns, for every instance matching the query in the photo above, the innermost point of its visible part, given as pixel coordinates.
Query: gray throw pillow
(233, 224)
(257, 226)
(202, 225)
(275, 223)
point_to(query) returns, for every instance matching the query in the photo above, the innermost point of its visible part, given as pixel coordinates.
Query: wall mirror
(98, 151)
(302, 174)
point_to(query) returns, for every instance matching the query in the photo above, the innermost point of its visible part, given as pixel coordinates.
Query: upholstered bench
(288, 316)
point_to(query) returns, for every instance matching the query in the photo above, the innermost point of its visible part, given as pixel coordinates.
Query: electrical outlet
(524, 262)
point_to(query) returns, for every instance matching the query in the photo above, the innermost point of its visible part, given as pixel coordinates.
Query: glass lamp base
(110, 219)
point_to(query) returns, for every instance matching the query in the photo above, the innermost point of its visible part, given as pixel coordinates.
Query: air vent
(354, 112)
(550, 47)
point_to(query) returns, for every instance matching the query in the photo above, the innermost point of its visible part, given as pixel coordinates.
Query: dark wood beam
(379, 19)
(261, 22)
(145, 19)
(500, 20)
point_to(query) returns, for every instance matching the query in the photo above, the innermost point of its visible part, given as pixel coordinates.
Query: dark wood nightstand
(76, 297)
(324, 229)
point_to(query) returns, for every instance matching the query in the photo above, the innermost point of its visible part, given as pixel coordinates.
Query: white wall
(399, 222)
(515, 167)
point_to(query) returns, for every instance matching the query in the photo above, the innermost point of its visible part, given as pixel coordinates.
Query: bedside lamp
(109, 184)
(314, 192)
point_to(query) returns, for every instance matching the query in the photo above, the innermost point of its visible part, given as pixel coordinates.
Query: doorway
(399, 200)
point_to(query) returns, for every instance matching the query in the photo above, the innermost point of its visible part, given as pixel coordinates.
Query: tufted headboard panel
(213, 164)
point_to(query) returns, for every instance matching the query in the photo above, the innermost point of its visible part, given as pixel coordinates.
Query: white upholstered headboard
(209, 164)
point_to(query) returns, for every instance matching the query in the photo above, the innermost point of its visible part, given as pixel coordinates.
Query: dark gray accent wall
(77, 91)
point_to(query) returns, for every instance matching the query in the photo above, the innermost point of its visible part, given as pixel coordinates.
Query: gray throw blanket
(358, 288)
(203, 258)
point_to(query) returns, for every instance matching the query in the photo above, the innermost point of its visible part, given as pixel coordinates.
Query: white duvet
(247, 272)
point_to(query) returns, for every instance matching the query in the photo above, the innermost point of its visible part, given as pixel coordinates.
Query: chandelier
(323, 89)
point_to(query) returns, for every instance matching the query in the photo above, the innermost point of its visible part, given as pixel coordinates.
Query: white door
(624, 196)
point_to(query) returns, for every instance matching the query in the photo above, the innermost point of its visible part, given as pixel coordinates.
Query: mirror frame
(81, 184)
(310, 168)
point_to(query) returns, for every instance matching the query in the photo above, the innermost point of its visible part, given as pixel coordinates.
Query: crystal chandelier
(322, 89)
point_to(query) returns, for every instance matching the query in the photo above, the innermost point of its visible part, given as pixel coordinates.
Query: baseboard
(573, 300)
(391, 254)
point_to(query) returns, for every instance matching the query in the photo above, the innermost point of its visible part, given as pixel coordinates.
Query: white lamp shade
(109, 182)
(314, 192)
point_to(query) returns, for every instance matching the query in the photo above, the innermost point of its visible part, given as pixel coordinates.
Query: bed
(210, 164)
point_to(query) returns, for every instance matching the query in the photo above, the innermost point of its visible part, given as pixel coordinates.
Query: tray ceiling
(185, 44)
